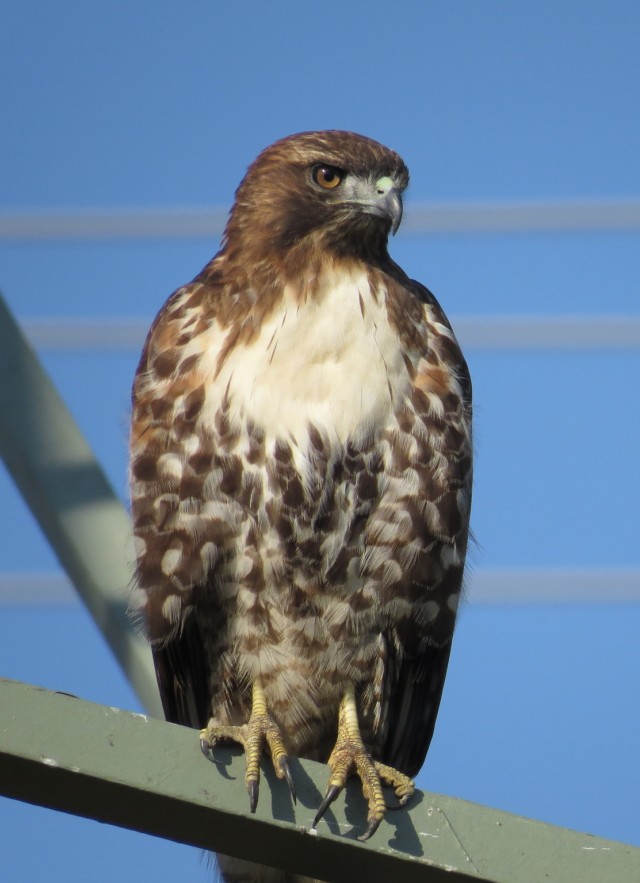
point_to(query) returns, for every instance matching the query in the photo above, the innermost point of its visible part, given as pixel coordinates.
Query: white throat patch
(333, 361)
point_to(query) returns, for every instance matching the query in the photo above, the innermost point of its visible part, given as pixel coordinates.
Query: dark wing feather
(181, 670)
(413, 708)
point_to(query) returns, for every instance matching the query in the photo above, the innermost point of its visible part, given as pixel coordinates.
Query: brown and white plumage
(301, 464)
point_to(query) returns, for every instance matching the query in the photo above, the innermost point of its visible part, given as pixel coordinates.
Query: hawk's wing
(413, 707)
(415, 674)
(164, 476)
(181, 671)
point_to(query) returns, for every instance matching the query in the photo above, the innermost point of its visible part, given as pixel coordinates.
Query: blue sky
(158, 105)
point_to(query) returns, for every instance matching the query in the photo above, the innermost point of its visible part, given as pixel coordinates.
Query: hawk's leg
(260, 728)
(349, 753)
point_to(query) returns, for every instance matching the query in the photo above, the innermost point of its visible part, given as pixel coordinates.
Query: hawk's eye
(328, 177)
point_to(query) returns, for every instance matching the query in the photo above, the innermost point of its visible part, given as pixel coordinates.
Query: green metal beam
(68, 493)
(147, 775)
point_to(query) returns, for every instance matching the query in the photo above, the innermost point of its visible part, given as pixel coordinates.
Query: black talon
(207, 750)
(286, 769)
(329, 797)
(254, 790)
(372, 827)
(209, 753)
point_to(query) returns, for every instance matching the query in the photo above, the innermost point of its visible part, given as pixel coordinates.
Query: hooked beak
(386, 203)
(382, 199)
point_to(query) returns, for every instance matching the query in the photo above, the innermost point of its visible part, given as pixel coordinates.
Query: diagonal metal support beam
(140, 773)
(64, 486)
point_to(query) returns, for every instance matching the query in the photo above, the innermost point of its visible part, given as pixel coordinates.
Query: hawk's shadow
(309, 796)
(404, 837)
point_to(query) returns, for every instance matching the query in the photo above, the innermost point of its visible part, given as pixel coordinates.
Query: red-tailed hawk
(301, 478)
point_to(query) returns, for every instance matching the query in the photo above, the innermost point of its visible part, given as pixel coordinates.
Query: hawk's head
(319, 190)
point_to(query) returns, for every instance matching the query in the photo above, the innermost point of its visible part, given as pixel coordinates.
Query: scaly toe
(403, 786)
(259, 729)
(350, 751)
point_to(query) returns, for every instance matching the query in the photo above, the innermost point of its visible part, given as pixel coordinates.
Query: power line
(511, 586)
(517, 216)
(499, 332)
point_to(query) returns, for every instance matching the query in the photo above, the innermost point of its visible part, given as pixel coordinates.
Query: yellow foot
(350, 752)
(260, 728)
